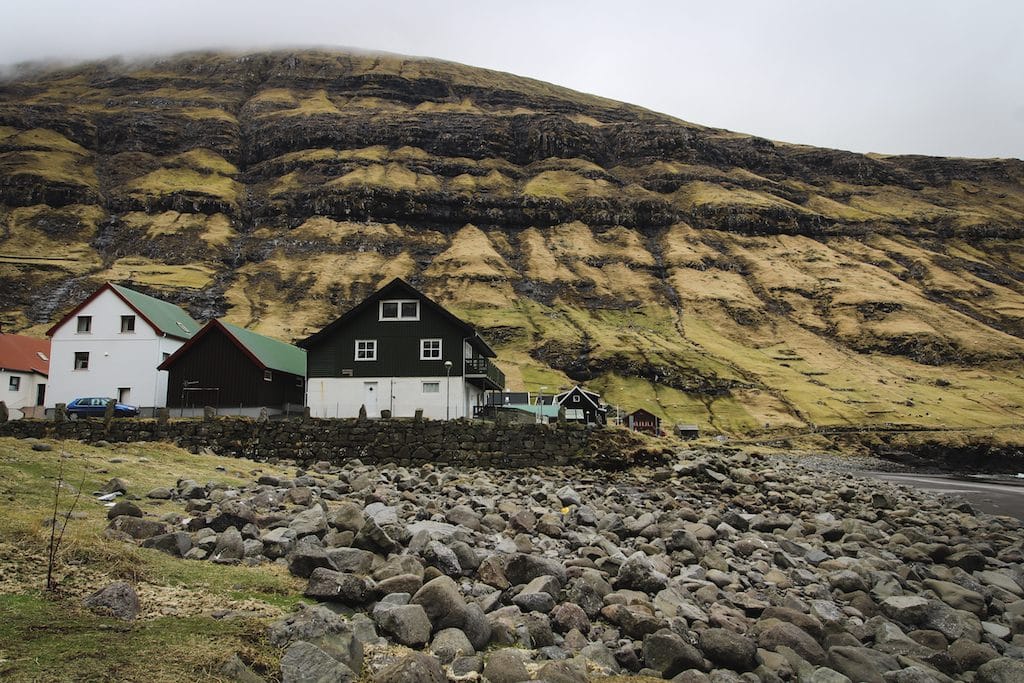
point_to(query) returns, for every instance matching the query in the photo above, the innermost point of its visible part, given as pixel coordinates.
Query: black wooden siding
(214, 361)
(398, 347)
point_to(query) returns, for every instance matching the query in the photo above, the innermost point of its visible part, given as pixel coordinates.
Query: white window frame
(14, 384)
(400, 316)
(424, 349)
(268, 376)
(86, 359)
(87, 319)
(370, 349)
(435, 390)
(130, 319)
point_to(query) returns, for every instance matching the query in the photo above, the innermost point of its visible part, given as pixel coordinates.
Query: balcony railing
(483, 369)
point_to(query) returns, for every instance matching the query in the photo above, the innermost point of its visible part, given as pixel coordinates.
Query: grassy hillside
(183, 603)
(707, 276)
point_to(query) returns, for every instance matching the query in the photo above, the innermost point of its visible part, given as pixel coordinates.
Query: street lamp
(540, 405)
(447, 390)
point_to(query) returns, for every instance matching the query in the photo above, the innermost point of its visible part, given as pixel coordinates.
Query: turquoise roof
(273, 354)
(170, 319)
(545, 410)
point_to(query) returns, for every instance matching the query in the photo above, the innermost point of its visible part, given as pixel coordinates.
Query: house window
(366, 349)
(127, 324)
(431, 387)
(84, 324)
(300, 382)
(576, 399)
(166, 355)
(430, 349)
(15, 384)
(268, 376)
(81, 360)
(400, 309)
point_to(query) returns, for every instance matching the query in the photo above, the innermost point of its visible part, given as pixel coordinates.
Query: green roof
(170, 319)
(274, 354)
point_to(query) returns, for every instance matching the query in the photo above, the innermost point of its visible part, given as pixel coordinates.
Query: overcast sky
(891, 76)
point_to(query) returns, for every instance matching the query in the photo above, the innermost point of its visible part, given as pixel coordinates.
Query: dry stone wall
(401, 441)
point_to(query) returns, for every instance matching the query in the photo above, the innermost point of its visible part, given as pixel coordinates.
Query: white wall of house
(116, 359)
(23, 399)
(403, 396)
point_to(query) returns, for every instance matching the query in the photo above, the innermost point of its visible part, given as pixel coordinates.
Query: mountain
(705, 275)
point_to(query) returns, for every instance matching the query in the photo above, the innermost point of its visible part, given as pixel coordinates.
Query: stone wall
(403, 441)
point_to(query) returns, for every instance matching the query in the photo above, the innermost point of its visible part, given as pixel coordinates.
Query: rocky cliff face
(705, 275)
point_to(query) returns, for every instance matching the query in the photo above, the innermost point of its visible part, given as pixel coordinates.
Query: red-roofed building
(24, 367)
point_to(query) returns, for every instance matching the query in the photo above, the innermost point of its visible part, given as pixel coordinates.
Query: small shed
(644, 421)
(236, 371)
(687, 431)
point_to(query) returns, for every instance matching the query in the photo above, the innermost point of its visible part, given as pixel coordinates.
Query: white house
(398, 351)
(24, 364)
(110, 346)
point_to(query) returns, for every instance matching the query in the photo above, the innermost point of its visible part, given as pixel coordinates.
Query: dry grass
(160, 275)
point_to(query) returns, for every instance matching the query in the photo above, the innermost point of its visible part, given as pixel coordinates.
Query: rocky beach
(720, 565)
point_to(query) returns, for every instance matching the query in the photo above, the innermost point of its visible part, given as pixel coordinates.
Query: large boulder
(304, 662)
(117, 599)
(728, 649)
(415, 667)
(442, 601)
(329, 585)
(667, 653)
(406, 624)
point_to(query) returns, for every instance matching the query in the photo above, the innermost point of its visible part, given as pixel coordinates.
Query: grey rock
(505, 666)
(229, 546)
(862, 663)
(406, 624)
(304, 662)
(412, 668)
(523, 568)
(1002, 670)
(728, 649)
(449, 644)
(117, 599)
(667, 653)
(124, 507)
(442, 602)
(309, 522)
(176, 544)
(773, 633)
(329, 585)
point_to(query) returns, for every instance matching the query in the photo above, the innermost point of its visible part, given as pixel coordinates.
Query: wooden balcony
(483, 373)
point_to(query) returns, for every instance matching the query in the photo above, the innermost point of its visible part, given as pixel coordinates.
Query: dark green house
(401, 352)
(236, 371)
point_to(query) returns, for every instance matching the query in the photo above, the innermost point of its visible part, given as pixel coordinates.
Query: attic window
(400, 309)
(268, 376)
(42, 356)
(181, 325)
(576, 399)
(127, 324)
(84, 324)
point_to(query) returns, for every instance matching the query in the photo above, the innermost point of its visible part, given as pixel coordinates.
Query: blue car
(97, 407)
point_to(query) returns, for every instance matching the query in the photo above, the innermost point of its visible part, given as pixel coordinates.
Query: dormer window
(400, 309)
(84, 324)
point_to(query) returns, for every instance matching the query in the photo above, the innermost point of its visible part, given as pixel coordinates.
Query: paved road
(994, 496)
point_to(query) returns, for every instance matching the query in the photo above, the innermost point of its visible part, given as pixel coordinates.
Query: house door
(40, 394)
(123, 394)
(370, 399)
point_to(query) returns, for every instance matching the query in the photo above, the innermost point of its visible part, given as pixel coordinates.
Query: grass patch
(44, 639)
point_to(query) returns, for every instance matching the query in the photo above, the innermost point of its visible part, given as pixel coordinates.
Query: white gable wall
(25, 397)
(116, 359)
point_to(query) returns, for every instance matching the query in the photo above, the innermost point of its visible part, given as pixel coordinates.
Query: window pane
(127, 323)
(81, 360)
(84, 323)
(410, 309)
(431, 387)
(389, 309)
